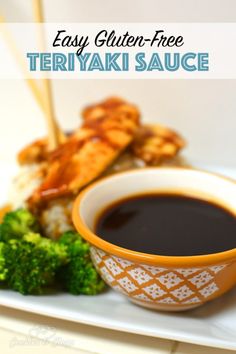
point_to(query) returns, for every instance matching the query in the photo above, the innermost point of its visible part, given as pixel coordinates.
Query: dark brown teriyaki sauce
(168, 224)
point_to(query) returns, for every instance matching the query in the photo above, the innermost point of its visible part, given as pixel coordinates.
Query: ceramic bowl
(159, 282)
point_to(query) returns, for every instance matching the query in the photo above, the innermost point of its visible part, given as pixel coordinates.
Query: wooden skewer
(32, 84)
(53, 131)
(16, 54)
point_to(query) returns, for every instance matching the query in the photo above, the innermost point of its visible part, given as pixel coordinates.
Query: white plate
(213, 324)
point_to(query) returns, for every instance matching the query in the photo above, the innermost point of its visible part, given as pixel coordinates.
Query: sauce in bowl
(168, 224)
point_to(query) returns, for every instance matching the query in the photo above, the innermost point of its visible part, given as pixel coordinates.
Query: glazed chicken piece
(108, 106)
(35, 152)
(107, 130)
(155, 143)
(152, 144)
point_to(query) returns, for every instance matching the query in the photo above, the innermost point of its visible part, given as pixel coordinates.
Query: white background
(204, 111)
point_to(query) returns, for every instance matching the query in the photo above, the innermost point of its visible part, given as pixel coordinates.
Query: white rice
(24, 184)
(55, 218)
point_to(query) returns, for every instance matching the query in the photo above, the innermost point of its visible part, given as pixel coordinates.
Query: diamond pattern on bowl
(107, 275)
(123, 263)
(127, 284)
(218, 268)
(139, 275)
(187, 271)
(95, 256)
(193, 300)
(182, 293)
(120, 289)
(153, 270)
(113, 266)
(142, 296)
(170, 280)
(201, 279)
(100, 252)
(157, 284)
(167, 300)
(209, 290)
(154, 291)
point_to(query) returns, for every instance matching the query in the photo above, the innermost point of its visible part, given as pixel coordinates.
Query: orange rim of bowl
(139, 257)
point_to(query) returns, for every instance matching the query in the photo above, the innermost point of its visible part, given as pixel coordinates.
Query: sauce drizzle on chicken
(110, 129)
(106, 132)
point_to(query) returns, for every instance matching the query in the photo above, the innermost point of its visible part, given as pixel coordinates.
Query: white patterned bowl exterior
(160, 287)
(160, 282)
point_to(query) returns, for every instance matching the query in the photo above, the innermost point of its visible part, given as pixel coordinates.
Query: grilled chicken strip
(35, 152)
(104, 134)
(155, 143)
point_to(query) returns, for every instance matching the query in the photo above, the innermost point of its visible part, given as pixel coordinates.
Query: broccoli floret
(72, 238)
(79, 276)
(31, 263)
(18, 223)
(3, 270)
(48, 245)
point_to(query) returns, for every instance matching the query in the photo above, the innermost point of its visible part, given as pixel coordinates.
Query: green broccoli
(79, 276)
(3, 270)
(18, 223)
(31, 263)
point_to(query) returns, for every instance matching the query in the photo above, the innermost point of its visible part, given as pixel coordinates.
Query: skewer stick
(53, 130)
(16, 54)
(32, 84)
